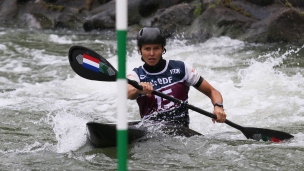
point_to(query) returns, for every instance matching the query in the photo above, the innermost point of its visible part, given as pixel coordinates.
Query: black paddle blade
(265, 134)
(90, 65)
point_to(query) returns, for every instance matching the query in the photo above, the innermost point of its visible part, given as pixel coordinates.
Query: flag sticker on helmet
(90, 63)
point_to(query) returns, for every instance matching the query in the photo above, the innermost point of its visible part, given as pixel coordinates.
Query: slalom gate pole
(122, 126)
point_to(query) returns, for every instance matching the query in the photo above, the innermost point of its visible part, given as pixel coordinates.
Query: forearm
(216, 97)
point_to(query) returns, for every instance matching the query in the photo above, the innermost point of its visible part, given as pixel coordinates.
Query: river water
(44, 105)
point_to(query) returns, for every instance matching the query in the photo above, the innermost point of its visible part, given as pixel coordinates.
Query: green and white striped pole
(122, 126)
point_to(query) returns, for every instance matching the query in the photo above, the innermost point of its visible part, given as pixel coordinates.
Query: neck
(156, 68)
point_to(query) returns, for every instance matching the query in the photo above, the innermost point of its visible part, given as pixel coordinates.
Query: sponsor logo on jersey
(162, 81)
(142, 77)
(175, 71)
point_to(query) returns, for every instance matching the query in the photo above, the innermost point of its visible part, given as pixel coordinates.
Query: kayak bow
(103, 135)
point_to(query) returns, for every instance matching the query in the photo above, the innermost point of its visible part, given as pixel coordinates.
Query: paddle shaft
(264, 134)
(136, 85)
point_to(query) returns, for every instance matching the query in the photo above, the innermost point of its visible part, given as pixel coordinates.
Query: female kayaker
(171, 77)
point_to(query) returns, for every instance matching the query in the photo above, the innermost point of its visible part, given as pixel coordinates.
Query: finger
(149, 85)
(145, 86)
(224, 117)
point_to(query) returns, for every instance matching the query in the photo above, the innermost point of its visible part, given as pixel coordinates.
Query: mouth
(152, 59)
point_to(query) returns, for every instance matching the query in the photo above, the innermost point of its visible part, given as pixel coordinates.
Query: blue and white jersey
(174, 80)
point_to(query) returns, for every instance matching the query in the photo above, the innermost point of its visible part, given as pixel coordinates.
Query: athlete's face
(151, 53)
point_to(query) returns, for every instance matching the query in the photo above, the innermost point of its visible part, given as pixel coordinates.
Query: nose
(152, 52)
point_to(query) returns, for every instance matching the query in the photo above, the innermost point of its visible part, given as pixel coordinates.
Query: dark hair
(150, 35)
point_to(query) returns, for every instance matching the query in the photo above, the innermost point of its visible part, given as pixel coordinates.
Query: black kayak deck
(103, 135)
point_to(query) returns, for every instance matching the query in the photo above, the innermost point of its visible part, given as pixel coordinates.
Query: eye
(147, 48)
(156, 48)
